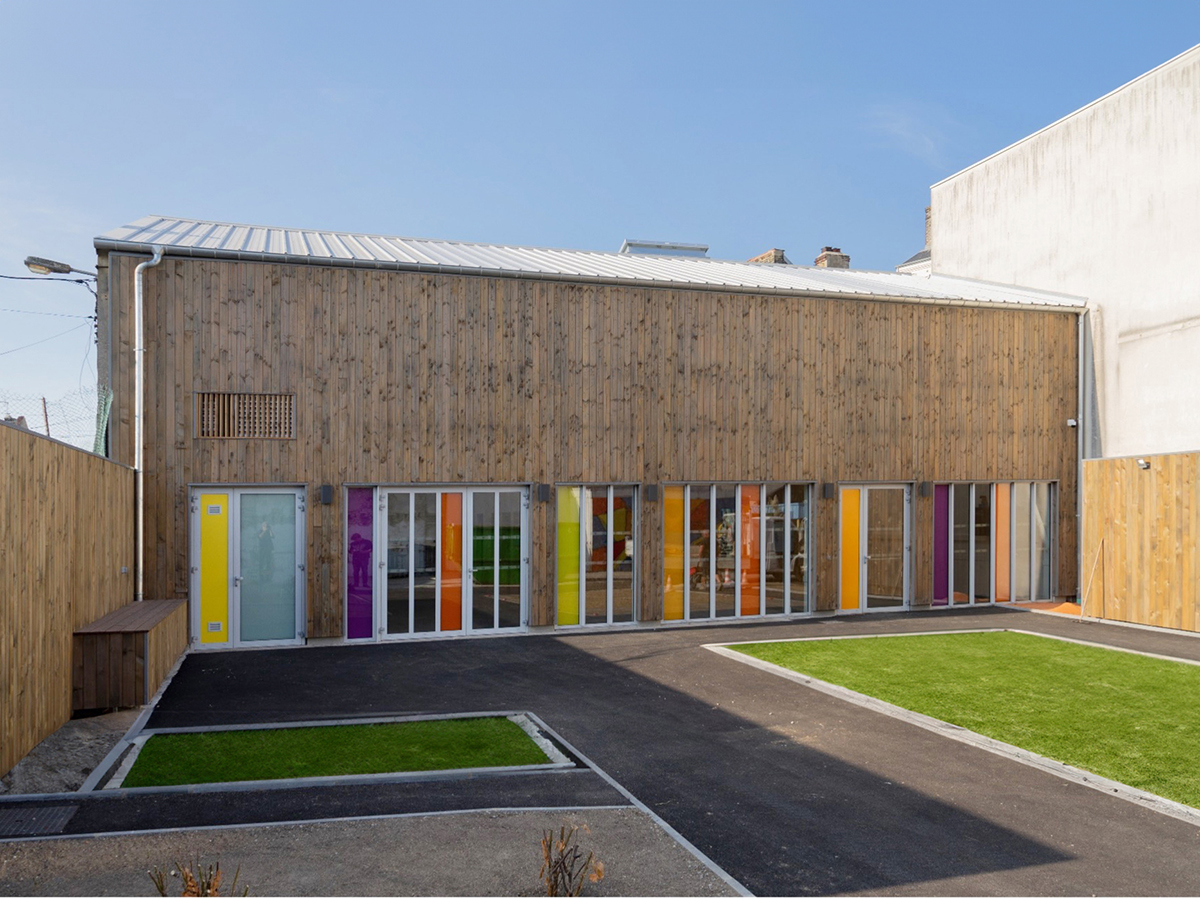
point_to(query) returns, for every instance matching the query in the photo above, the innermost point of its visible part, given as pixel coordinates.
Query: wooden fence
(1141, 524)
(66, 559)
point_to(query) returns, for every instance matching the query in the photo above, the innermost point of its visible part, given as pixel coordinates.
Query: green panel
(568, 555)
(510, 555)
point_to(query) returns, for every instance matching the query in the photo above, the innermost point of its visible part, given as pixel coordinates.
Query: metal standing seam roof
(220, 240)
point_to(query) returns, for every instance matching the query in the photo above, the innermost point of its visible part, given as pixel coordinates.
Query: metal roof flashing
(251, 243)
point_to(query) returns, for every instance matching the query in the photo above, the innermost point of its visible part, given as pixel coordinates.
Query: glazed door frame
(468, 497)
(216, 571)
(854, 519)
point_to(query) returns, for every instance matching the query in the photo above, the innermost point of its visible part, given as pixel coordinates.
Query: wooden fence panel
(66, 559)
(1140, 557)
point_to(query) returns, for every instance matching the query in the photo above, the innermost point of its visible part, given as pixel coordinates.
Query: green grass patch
(231, 755)
(1127, 717)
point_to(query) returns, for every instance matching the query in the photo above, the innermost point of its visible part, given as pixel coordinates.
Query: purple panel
(941, 544)
(360, 511)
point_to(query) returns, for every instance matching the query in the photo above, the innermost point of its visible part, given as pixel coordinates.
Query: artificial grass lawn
(1127, 717)
(230, 755)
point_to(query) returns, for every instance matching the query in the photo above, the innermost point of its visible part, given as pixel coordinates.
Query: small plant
(565, 868)
(197, 880)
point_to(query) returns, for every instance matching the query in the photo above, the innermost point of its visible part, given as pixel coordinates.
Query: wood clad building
(379, 437)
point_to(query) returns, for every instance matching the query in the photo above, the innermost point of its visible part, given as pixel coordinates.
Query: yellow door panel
(214, 568)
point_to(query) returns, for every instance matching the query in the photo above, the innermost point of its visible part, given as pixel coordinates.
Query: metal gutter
(1076, 308)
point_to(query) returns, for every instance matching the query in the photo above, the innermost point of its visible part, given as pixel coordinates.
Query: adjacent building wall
(405, 378)
(1103, 204)
(1141, 553)
(66, 559)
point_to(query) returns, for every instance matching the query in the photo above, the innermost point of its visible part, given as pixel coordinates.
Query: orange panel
(452, 559)
(1003, 541)
(673, 554)
(750, 553)
(851, 561)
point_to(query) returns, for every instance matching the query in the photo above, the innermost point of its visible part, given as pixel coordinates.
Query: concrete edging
(954, 732)
(558, 762)
(646, 810)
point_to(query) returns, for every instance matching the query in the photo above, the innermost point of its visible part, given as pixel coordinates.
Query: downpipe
(139, 377)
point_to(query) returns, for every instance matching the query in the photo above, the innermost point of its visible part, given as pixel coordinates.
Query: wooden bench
(118, 661)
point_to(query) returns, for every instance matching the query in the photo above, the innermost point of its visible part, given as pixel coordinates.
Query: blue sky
(743, 126)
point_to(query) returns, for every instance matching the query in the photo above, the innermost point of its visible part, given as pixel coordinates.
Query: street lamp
(40, 266)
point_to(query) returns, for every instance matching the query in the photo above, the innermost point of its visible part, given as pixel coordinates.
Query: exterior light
(1143, 464)
(40, 266)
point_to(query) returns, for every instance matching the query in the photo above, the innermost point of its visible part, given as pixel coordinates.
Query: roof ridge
(203, 238)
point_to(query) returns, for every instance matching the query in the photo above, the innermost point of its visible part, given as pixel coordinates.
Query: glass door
(885, 582)
(266, 583)
(248, 577)
(454, 561)
(497, 549)
(874, 547)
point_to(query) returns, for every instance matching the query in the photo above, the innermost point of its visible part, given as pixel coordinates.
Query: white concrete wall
(1103, 204)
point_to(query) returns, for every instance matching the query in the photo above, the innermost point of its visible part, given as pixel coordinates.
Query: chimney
(773, 255)
(928, 224)
(832, 257)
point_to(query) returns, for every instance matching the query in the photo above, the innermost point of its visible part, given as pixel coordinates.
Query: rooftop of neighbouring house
(219, 240)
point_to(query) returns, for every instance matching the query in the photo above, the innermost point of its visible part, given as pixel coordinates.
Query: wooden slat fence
(1140, 530)
(66, 559)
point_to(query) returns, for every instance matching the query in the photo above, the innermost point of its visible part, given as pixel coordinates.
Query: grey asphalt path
(473, 854)
(789, 790)
(106, 811)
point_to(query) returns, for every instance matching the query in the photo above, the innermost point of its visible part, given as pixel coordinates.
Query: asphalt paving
(791, 791)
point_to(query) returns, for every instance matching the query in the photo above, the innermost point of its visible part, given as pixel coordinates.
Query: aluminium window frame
(711, 486)
(584, 522)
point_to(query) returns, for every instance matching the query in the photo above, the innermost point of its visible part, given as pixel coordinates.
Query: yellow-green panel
(673, 554)
(568, 555)
(851, 550)
(214, 567)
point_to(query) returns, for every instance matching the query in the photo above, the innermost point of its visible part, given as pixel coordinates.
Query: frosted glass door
(267, 572)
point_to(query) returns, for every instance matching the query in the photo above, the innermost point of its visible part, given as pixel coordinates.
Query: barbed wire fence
(79, 417)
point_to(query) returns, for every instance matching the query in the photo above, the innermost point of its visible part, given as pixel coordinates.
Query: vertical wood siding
(66, 531)
(1141, 530)
(421, 378)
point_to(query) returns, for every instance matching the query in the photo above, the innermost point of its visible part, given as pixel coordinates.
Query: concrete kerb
(292, 823)
(1092, 619)
(954, 732)
(559, 763)
(532, 722)
(679, 838)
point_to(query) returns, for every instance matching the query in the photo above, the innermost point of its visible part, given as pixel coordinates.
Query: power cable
(83, 281)
(36, 342)
(37, 312)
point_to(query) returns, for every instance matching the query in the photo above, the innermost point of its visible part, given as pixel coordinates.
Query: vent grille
(266, 416)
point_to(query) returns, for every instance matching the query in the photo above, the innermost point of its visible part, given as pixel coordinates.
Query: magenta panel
(941, 544)
(360, 512)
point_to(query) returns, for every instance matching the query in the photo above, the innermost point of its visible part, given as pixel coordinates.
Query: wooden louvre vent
(268, 416)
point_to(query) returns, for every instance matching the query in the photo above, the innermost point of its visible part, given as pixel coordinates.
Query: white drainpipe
(139, 401)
